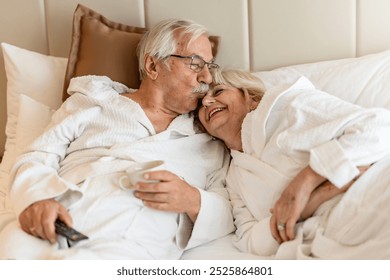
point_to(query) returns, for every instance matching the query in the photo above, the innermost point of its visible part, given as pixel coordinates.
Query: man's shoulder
(96, 87)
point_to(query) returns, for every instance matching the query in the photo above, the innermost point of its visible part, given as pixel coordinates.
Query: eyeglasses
(197, 63)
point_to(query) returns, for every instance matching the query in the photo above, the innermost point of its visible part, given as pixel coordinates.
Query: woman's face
(223, 111)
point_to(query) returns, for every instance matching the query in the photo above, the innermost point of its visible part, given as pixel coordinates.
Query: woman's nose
(207, 100)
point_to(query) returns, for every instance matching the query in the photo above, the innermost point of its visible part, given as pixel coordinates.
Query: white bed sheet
(220, 249)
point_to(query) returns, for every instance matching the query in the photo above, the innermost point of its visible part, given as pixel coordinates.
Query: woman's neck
(234, 141)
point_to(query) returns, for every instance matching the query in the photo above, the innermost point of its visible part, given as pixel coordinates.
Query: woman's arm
(339, 137)
(306, 192)
(325, 192)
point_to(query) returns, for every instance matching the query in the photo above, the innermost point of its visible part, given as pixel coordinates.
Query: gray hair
(241, 79)
(160, 41)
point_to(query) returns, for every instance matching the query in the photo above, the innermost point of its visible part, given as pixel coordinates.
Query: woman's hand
(170, 194)
(293, 200)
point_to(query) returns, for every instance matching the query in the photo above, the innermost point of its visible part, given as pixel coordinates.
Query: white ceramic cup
(136, 172)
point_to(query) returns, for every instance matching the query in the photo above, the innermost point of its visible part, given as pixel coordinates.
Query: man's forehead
(200, 46)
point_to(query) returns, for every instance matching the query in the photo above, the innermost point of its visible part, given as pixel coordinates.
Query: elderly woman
(295, 151)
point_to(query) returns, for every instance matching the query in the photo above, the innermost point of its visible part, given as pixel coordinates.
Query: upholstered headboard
(255, 34)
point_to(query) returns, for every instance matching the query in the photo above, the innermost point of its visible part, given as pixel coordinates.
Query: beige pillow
(103, 47)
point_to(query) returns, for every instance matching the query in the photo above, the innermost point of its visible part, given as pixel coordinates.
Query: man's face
(178, 82)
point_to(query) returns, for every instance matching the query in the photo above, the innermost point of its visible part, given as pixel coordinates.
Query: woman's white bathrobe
(92, 139)
(295, 126)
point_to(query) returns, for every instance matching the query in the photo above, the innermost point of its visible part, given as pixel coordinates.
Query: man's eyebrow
(212, 60)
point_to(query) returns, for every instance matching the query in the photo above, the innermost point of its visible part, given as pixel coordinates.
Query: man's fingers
(149, 187)
(156, 205)
(152, 197)
(38, 219)
(161, 175)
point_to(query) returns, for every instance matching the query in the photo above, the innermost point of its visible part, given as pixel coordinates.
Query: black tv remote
(68, 232)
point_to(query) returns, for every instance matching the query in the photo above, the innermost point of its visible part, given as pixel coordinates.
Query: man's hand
(38, 219)
(170, 194)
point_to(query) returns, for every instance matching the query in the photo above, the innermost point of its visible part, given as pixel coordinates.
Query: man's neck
(159, 120)
(158, 115)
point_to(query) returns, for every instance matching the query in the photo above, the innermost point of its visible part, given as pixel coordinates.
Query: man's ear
(150, 67)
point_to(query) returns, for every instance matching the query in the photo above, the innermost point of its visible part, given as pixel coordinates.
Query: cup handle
(122, 184)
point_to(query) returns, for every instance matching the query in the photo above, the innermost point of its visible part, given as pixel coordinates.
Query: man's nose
(205, 76)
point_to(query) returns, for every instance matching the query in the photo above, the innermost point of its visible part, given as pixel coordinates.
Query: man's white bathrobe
(92, 139)
(295, 126)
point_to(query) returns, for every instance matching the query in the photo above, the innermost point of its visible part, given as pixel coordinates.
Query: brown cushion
(103, 47)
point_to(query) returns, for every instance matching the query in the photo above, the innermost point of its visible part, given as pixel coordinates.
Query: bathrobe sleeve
(215, 218)
(338, 135)
(253, 234)
(35, 176)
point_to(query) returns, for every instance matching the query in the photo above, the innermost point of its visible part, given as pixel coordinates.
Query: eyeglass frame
(210, 65)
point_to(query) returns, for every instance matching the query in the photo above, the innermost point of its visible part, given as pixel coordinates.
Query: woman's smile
(215, 111)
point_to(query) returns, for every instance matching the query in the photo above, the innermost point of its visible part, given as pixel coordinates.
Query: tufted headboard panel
(255, 34)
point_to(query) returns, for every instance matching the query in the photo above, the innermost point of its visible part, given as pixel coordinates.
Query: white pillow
(33, 118)
(32, 74)
(364, 80)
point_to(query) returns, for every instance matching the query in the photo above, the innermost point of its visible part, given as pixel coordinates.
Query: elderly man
(71, 172)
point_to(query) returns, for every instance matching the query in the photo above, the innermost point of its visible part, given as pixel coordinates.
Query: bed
(279, 40)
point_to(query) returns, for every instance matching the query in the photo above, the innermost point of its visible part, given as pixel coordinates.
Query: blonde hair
(160, 41)
(241, 79)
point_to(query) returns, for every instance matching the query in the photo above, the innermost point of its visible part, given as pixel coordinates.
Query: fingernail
(146, 176)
